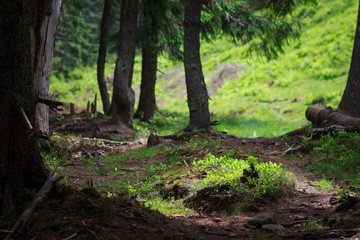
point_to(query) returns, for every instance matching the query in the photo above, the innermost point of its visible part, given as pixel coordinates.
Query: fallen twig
(40, 196)
(88, 229)
(293, 149)
(71, 236)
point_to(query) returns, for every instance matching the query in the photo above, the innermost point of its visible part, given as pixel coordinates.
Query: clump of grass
(227, 170)
(55, 151)
(324, 185)
(313, 225)
(338, 155)
(167, 206)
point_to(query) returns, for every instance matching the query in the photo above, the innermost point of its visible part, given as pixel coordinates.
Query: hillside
(250, 96)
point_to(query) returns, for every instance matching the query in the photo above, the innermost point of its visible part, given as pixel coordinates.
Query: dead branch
(293, 149)
(71, 236)
(26, 119)
(54, 105)
(40, 196)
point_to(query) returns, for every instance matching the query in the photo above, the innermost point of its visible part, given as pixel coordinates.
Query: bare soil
(69, 214)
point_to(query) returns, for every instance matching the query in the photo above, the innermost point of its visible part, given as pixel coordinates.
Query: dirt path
(302, 213)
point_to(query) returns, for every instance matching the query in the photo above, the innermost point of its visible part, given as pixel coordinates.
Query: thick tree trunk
(21, 165)
(147, 101)
(102, 55)
(123, 99)
(350, 102)
(196, 89)
(42, 49)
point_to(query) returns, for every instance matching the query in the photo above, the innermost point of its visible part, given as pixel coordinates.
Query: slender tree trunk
(102, 55)
(196, 89)
(21, 165)
(123, 99)
(147, 101)
(350, 102)
(42, 50)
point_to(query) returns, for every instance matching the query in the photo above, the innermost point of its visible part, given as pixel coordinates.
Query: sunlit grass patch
(167, 206)
(268, 177)
(324, 185)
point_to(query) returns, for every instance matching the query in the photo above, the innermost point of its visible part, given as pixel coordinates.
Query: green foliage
(324, 185)
(265, 97)
(77, 36)
(167, 207)
(338, 156)
(227, 170)
(55, 152)
(164, 122)
(313, 225)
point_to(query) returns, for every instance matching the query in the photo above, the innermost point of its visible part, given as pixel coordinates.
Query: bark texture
(43, 39)
(350, 102)
(326, 115)
(147, 100)
(195, 85)
(123, 99)
(102, 55)
(21, 165)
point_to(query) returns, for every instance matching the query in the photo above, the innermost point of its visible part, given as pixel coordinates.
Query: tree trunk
(102, 55)
(21, 165)
(350, 102)
(147, 101)
(195, 84)
(42, 49)
(123, 99)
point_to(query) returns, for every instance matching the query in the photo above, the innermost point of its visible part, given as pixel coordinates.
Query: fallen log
(326, 115)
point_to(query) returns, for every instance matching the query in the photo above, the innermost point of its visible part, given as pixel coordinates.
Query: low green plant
(55, 152)
(313, 225)
(338, 155)
(168, 206)
(324, 185)
(227, 170)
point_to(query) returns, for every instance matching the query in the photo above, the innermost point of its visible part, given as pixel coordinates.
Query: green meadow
(251, 96)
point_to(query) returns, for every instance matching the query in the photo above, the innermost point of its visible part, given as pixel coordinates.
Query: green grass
(337, 156)
(167, 206)
(266, 97)
(227, 170)
(324, 185)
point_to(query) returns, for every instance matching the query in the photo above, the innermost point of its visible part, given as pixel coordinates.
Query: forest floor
(301, 212)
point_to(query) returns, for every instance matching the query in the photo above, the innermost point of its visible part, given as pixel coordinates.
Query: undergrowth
(226, 170)
(337, 155)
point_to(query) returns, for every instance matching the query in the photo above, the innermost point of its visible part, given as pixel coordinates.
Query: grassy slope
(312, 68)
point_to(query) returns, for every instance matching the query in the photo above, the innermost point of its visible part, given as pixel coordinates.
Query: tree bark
(21, 165)
(325, 115)
(195, 85)
(43, 34)
(147, 100)
(350, 102)
(123, 99)
(102, 55)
